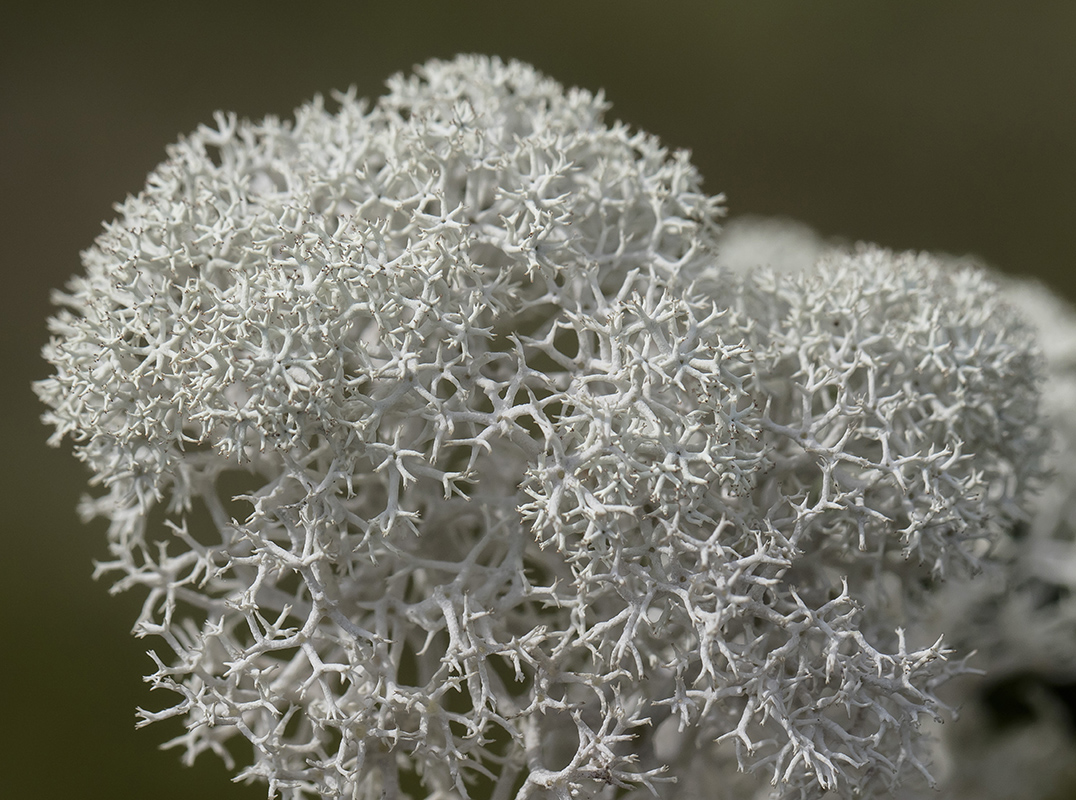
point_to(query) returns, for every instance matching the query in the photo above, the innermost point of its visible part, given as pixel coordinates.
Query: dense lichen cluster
(454, 463)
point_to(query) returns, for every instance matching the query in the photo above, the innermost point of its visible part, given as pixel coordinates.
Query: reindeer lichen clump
(452, 463)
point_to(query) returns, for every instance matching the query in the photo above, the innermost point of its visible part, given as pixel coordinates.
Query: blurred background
(941, 126)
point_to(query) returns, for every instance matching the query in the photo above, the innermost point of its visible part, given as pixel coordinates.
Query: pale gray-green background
(940, 124)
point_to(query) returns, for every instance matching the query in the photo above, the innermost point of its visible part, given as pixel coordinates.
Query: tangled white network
(454, 462)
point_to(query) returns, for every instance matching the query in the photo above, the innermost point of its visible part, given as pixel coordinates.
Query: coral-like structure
(455, 463)
(1013, 737)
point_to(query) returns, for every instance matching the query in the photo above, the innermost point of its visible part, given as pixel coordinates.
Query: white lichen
(454, 462)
